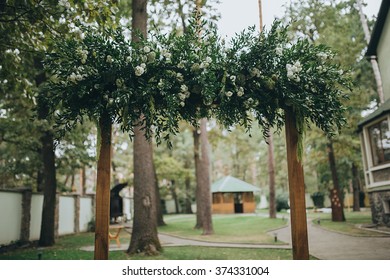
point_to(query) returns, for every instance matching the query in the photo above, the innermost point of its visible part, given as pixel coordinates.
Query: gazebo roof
(230, 184)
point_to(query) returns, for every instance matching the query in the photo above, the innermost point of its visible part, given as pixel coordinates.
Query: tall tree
(336, 196)
(373, 61)
(202, 170)
(144, 236)
(271, 161)
(337, 23)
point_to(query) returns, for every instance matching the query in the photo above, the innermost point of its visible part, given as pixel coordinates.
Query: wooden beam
(103, 191)
(297, 190)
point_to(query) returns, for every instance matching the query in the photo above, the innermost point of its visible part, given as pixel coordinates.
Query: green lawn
(227, 228)
(350, 226)
(68, 248)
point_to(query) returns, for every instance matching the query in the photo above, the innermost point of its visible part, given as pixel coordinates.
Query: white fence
(21, 214)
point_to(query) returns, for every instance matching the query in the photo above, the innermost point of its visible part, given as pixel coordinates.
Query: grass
(350, 226)
(68, 248)
(227, 228)
(240, 229)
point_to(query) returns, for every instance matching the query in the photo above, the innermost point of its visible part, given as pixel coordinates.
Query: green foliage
(282, 202)
(318, 199)
(337, 24)
(193, 76)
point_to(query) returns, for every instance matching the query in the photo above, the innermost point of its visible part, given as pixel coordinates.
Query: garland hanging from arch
(170, 78)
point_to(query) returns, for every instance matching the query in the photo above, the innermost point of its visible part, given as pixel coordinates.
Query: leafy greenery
(192, 76)
(252, 229)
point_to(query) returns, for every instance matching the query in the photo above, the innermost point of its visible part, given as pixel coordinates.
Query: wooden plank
(103, 191)
(297, 191)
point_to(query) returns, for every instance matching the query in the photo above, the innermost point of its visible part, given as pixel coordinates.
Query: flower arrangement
(173, 77)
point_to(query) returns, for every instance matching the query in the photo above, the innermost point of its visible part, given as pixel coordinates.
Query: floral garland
(186, 77)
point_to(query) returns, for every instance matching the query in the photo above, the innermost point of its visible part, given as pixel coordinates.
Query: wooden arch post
(300, 244)
(103, 190)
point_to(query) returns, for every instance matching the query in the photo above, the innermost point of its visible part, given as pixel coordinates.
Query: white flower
(182, 104)
(54, 79)
(180, 77)
(144, 58)
(5, 81)
(79, 77)
(181, 64)
(341, 72)
(182, 96)
(166, 54)
(322, 56)
(72, 77)
(62, 20)
(119, 83)
(229, 93)
(109, 59)
(255, 72)
(184, 88)
(146, 49)
(293, 71)
(240, 92)
(64, 3)
(151, 56)
(83, 54)
(195, 67)
(139, 70)
(233, 78)
(279, 51)
(128, 59)
(143, 65)
(208, 59)
(114, 9)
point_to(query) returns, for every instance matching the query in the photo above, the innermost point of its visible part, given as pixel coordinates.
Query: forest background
(25, 37)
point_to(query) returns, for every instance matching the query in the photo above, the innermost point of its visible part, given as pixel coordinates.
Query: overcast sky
(237, 15)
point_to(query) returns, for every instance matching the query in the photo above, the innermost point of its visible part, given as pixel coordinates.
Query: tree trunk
(187, 206)
(335, 193)
(374, 62)
(296, 181)
(47, 234)
(199, 209)
(159, 209)
(271, 161)
(356, 188)
(83, 180)
(174, 196)
(271, 176)
(203, 181)
(144, 237)
(103, 190)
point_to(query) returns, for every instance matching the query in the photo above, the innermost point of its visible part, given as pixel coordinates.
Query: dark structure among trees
(116, 202)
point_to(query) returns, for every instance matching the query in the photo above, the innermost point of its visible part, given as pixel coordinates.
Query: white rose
(139, 71)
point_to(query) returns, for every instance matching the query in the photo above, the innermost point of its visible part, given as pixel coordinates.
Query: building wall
(66, 215)
(86, 212)
(223, 208)
(384, 57)
(13, 211)
(380, 207)
(36, 216)
(10, 217)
